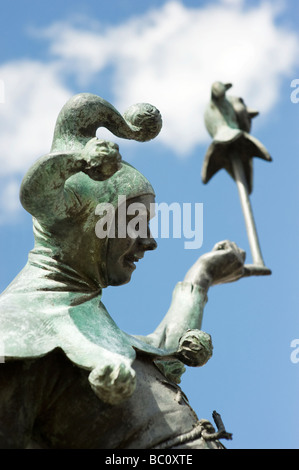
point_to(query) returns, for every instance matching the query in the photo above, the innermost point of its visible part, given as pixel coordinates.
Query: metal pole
(247, 211)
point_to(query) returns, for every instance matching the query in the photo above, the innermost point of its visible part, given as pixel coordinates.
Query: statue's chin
(120, 281)
(121, 272)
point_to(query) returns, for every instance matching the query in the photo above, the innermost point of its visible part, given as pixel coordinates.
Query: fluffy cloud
(33, 95)
(9, 196)
(169, 56)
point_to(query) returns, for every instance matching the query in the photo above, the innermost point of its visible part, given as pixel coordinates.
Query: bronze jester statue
(72, 379)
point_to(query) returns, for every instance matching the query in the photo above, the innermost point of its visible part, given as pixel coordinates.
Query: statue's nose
(148, 243)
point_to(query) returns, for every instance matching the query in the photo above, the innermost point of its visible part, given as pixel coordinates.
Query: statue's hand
(113, 383)
(225, 263)
(101, 159)
(173, 370)
(195, 348)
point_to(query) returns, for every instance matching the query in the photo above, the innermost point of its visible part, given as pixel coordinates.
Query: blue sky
(168, 53)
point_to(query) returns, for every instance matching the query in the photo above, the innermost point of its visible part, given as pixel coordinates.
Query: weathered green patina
(53, 309)
(228, 120)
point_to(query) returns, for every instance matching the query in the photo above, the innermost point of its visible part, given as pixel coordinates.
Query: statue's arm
(42, 189)
(225, 263)
(185, 313)
(43, 193)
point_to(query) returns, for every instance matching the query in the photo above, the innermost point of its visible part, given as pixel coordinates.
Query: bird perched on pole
(228, 121)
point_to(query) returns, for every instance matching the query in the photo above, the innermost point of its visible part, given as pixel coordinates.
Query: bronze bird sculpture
(228, 121)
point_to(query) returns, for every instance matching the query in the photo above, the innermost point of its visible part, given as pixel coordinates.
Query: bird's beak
(252, 112)
(228, 86)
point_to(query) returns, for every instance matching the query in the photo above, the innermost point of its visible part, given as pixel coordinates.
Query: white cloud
(33, 98)
(9, 197)
(171, 55)
(168, 56)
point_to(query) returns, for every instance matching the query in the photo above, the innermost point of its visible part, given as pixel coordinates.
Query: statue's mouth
(131, 259)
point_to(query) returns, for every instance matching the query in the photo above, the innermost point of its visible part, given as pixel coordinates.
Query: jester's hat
(84, 113)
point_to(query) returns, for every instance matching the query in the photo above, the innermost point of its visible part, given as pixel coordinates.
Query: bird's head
(219, 89)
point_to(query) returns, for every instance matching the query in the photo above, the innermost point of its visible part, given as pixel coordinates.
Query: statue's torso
(59, 410)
